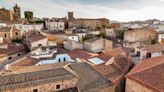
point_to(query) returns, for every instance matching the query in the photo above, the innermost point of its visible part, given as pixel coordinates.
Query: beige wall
(16, 34)
(43, 42)
(70, 45)
(7, 38)
(99, 45)
(132, 86)
(139, 35)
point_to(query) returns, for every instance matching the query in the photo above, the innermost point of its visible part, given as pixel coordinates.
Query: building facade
(97, 44)
(10, 15)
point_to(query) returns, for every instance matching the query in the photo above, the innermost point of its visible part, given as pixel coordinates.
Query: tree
(28, 15)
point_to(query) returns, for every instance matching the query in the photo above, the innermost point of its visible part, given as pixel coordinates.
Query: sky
(118, 10)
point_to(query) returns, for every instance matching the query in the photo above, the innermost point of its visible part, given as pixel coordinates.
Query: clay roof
(34, 38)
(105, 56)
(15, 81)
(81, 54)
(89, 78)
(26, 61)
(149, 73)
(115, 71)
(153, 48)
(11, 49)
(24, 69)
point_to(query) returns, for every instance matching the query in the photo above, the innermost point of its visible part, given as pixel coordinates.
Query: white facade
(156, 54)
(28, 27)
(3, 25)
(110, 33)
(160, 28)
(55, 25)
(42, 42)
(73, 38)
(160, 37)
(58, 59)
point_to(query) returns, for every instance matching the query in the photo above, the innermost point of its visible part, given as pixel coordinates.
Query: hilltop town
(70, 54)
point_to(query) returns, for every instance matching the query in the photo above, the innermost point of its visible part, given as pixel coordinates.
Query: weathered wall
(132, 86)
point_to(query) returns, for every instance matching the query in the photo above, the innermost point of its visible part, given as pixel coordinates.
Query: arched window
(59, 60)
(64, 59)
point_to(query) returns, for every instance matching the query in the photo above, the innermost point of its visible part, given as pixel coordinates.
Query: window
(5, 35)
(138, 53)
(64, 59)
(39, 44)
(57, 86)
(59, 60)
(10, 58)
(16, 33)
(35, 90)
(148, 55)
(18, 54)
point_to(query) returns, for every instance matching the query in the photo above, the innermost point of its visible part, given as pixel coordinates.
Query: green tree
(28, 15)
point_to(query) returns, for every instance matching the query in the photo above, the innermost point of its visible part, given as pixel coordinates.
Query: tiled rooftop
(153, 48)
(36, 37)
(11, 49)
(149, 73)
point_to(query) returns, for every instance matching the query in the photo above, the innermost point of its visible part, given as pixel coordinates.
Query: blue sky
(119, 10)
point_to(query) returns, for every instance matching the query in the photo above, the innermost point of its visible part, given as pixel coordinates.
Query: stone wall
(139, 35)
(92, 23)
(132, 86)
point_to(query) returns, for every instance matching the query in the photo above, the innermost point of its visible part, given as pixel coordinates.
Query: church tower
(17, 13)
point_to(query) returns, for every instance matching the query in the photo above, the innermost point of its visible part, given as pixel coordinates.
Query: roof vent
(110, 61)
(6, 67)
(78, 60)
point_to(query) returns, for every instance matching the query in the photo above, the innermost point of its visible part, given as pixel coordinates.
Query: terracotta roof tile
(149, 73)
(81, 54)
(11, 49)
(34, 38)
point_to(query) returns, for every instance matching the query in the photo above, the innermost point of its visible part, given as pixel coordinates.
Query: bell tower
(17, 13)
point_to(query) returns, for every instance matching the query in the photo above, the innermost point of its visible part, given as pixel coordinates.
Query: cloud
(121, 10)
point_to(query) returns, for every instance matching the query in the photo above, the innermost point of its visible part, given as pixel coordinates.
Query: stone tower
(70, 16)
(17, 13)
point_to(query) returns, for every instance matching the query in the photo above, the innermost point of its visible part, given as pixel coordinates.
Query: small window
(59, 60)
(35, 90)
(10, 58)
(18, 54)
(40, 45)
(5, 35)
(57, 86)
(64, 59)
(16, 33)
